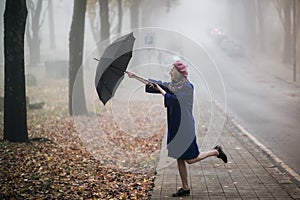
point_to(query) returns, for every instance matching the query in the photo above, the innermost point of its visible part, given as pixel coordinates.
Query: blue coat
(181, 139)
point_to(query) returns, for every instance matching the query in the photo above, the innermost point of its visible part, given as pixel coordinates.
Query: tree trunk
(95, 29)
(261, 6)
(288, 36)
(51, 25)
(77, 104)
(93, 19)
(2, 6)
(104, 10)
(34, 49)
(15, 116)
(120, 16)
(135, 14)
(33, 38)
(297, 21)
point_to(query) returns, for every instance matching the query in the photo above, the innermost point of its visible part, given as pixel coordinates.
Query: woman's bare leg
(183, 169)
(203, 155)
(183, 173)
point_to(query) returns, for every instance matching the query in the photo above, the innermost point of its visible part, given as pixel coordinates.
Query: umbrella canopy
(112, 65)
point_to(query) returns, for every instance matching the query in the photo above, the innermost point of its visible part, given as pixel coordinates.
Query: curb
(294, 174)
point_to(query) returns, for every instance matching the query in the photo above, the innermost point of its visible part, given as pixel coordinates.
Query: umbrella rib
(115, 72)
(116, 68)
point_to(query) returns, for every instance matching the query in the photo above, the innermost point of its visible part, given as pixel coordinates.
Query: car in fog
(227, 44)
(216, 33)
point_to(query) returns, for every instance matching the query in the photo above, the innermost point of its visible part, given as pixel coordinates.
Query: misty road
(265, 105)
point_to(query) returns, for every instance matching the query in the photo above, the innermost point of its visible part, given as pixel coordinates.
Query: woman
(181, 139)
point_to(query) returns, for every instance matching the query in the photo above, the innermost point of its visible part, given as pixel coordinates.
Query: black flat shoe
(221, 155)
(181, 193)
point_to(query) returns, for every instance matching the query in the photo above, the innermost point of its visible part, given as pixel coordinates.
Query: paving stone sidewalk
(249, 174)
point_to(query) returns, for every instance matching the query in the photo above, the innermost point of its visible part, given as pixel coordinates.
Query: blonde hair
(177, 74)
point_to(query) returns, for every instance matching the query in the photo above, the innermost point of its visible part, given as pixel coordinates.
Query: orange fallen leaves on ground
(108, 164)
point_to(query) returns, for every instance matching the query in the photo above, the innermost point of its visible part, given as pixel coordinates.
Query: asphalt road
(267, 106)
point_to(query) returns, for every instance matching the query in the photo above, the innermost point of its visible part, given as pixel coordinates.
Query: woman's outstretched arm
(132, 75)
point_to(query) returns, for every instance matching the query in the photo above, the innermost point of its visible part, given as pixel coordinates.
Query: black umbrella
(112, 65)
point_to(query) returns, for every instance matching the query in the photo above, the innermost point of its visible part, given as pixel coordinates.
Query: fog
(191, 18)
(238, 55)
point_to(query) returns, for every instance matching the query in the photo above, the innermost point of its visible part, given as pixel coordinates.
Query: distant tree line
(255, 18)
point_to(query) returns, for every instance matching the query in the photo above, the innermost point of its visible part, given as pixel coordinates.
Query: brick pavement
(249, 174)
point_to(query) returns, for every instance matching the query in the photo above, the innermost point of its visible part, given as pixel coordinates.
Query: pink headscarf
(181, 67)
